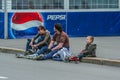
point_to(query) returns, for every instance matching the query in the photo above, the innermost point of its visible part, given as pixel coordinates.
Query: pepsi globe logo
(24, 24)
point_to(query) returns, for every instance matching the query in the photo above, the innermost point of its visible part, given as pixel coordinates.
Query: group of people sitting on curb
(43, 47)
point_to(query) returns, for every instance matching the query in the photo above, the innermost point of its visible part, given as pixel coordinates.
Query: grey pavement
(12, 68)
(107, 47)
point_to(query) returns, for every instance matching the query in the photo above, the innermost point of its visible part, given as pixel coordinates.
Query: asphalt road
(12, 68)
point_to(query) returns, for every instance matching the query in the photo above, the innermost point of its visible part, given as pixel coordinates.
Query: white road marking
(3, 77)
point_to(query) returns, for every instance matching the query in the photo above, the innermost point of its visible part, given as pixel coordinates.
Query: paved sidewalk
(107, 47)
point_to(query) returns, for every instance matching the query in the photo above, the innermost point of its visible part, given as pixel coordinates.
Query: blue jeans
(29, 40)
(27, 45)
(42, 50)
(57, 58)
(49, 55)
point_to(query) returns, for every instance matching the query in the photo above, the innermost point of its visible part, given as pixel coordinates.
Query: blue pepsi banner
(1, 25)
(24, 24)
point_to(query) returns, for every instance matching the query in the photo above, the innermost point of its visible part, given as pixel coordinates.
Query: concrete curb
(101, 61)
(11, 50)
(93, 60)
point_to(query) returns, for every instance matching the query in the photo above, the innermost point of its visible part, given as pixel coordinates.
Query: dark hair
(41, 28)
(58, 26)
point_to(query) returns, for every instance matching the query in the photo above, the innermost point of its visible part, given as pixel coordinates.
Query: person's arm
(47, 36)
(33, 39)
(60, 45)
(51, 44)
(62, 41)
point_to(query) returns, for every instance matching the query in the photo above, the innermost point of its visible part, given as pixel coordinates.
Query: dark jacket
(46, 38)
(90, 50)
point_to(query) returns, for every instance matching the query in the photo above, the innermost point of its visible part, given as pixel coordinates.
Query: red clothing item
(61, 38)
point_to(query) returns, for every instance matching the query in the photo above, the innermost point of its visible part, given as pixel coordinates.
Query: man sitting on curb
(43, 39)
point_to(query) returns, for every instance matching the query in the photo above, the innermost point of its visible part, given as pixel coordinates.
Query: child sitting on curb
(90, 50)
